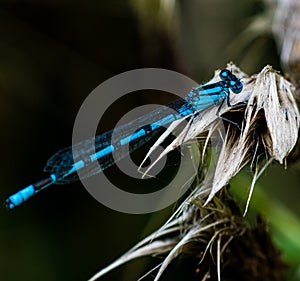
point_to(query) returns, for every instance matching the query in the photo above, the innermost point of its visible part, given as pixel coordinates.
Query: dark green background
(52, 55)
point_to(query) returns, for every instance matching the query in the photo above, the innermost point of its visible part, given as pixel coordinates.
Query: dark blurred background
(52, 55)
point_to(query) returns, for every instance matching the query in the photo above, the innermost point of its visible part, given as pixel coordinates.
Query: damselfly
(63, 169)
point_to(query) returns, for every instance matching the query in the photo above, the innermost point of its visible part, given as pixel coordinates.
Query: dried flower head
(269, 131)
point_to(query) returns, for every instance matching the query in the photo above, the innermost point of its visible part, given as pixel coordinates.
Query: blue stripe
(209, 89)
(76, 166)
(136, 135)
(21, 196)
(102, 153)
(184, 111)
(53, 177)
(168, 119)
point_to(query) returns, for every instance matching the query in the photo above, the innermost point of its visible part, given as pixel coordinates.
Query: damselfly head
(234, 83)
(236, 86)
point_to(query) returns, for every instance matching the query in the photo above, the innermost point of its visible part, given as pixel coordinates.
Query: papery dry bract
(269, 132)
(270, 102)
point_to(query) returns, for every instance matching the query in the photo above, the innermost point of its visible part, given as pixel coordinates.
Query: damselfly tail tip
(8, 204)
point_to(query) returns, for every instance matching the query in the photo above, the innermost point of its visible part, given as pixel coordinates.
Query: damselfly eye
(236, 86)
(225, 74)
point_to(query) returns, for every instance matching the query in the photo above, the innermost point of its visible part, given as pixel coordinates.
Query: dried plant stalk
(269, 132)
